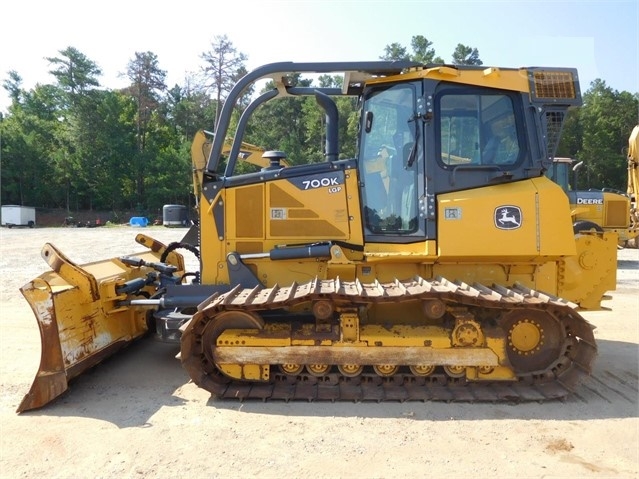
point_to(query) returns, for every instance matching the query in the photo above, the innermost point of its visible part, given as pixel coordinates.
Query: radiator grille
(554, 85)
(617, 214)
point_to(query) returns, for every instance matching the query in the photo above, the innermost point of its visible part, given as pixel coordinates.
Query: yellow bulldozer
(606, 209)
(440, 263)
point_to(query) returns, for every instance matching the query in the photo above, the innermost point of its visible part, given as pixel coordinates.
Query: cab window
(478, 129)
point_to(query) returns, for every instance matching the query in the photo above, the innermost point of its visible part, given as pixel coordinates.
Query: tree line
(75, 145)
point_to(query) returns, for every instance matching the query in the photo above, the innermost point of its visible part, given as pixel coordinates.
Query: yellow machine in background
(440, 263)
(633, 179)
(602, 210)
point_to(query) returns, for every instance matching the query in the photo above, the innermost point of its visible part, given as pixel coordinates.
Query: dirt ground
(138, 416)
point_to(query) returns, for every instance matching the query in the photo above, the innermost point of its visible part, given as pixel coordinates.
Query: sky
(599, 38)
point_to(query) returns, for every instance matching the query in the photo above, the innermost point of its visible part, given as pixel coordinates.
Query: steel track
(557, 381)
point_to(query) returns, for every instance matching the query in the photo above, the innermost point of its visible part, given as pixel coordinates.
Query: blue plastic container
(138, 221)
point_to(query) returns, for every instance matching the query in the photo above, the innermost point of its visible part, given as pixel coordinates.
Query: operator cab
(425, 137)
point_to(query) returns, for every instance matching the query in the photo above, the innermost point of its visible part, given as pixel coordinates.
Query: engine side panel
(520, 221)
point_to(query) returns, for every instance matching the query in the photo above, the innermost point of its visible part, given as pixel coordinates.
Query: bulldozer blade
(81, 318)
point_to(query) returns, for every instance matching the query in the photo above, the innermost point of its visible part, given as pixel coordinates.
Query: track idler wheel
(198, 355)
(535, 339)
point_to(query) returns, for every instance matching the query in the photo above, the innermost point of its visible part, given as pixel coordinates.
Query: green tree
(146, 89)
(77, 82)
(75, 73)
(279, 124)
(107, 148)
(223, 66)
(169, 171)
(606, 120)
(13, 86)
(395, 51)
(423, 51)
(30, 174)
(189, 109)
(465, 55)
(571, 137)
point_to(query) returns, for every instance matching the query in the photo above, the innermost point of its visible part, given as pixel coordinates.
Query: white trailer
(14, 215)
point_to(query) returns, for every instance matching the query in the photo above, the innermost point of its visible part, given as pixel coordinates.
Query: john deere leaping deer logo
(508, 217)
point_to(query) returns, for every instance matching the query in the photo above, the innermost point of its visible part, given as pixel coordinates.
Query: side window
(478, 129)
